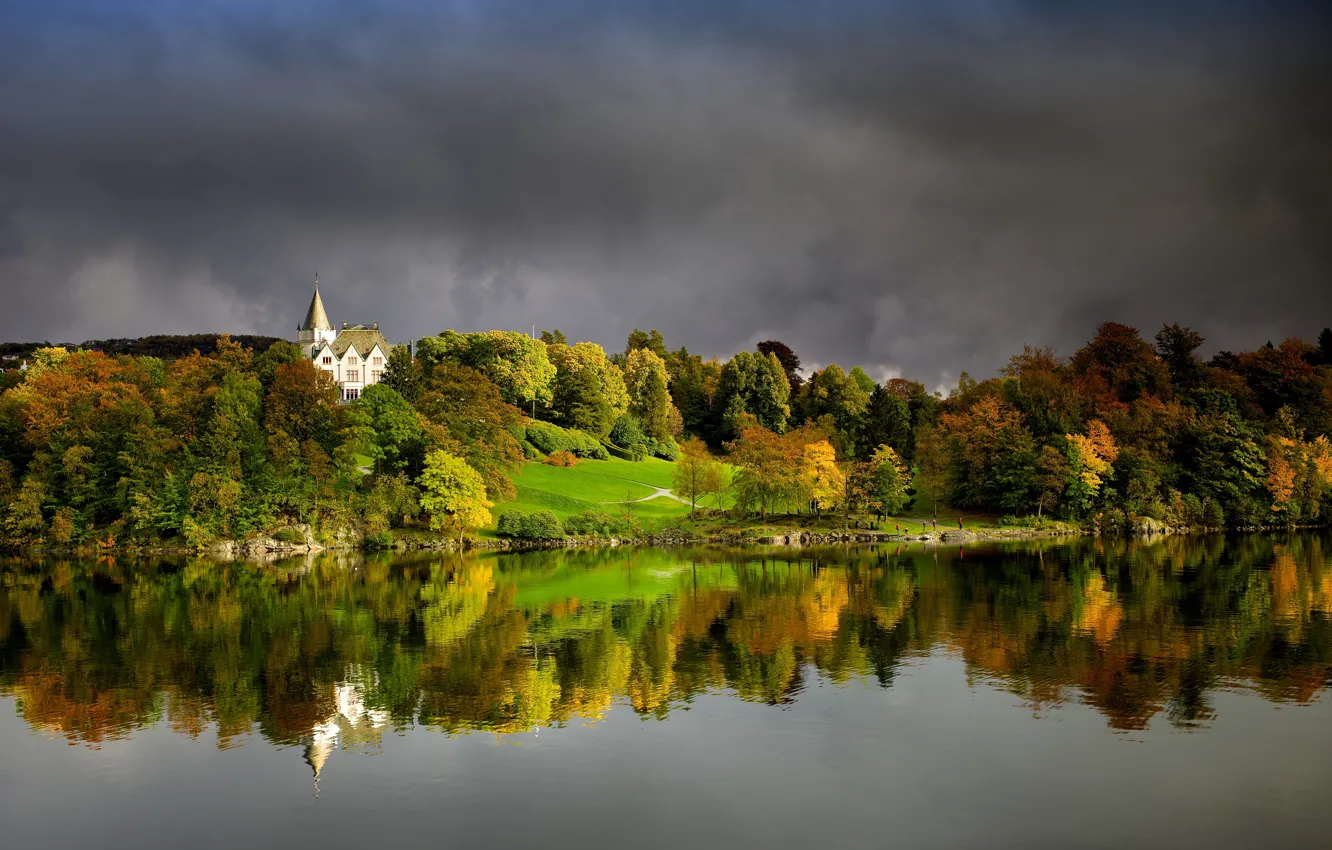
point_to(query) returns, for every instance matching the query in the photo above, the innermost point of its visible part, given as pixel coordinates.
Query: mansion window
(374, 376)
(353, 374)
(328, 361)
(351, 394)
(379, 361)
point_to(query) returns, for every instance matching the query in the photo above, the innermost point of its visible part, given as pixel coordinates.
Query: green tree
(647, 382)
(830, 392)
(646, 341)
(399, 439)
(887, 422)
(867, 384)
(1177, 345)
(514, 362)
(789, 360)
(402, 373)
(278, 354)
(888, 482)
(754, 384)
(588, 392)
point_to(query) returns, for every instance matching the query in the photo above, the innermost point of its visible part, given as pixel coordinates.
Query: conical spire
(315, 318)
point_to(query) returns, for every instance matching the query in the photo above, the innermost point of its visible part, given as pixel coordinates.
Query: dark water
(1092, 695)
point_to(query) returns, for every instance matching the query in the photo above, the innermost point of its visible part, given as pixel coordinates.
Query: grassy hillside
(600, 485)
(604, 485)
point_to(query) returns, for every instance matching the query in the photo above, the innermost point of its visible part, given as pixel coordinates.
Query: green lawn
(600, 485)
(589, 481)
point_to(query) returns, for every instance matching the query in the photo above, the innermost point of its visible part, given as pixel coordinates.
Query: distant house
(355, 356)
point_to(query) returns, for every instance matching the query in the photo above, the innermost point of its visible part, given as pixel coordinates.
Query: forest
(230, 440)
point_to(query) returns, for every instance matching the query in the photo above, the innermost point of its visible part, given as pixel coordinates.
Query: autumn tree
(990, 455)
(696, 473)
(1052, 478)
(1120, 361)
(767, 469)
(821, 481)
(453, 494)
(1090, 458)
(470, 418)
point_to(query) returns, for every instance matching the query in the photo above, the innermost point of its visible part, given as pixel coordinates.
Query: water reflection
(331, 653)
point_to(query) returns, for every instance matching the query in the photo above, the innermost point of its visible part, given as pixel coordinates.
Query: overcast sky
(914, 187)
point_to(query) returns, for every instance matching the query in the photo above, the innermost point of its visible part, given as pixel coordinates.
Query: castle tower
(316, 329)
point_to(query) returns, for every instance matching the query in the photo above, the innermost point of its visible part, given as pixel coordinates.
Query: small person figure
(936, 523)
(959, 523)
(898, 527)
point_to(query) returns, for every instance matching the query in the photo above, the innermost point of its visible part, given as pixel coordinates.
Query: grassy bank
(614, 486)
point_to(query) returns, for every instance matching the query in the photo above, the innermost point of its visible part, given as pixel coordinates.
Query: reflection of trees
(329, 653)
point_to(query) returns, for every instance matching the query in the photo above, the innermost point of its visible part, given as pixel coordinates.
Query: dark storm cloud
(912, 190)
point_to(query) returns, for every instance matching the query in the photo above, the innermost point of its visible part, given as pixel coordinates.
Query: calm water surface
(1086, 695)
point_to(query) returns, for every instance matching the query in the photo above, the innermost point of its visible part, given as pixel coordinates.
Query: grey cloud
(922, 195)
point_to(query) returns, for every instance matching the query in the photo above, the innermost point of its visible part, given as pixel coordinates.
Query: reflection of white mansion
(355, 356)
(351, 725)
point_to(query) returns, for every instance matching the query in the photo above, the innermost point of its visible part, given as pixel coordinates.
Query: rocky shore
(297, 540)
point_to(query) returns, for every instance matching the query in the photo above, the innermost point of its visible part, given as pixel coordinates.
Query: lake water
(1098, 694)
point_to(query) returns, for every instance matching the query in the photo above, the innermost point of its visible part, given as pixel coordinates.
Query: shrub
(510, 524)
(1191, 510)
(1113, 521)
(587, 446)
(289, 535)
(548, 439)
(563, 458)
(379, 540)
(542, 525)
(626, 434)
(1213, 516)
(600, 524)
(529, 451)
(667, 450)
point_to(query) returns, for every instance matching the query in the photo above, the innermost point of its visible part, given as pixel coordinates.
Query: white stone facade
(356, 355)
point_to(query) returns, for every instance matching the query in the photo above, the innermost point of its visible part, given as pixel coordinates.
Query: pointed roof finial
(315, 318)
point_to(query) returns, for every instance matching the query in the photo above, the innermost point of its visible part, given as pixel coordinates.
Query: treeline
(98, 446)
(164, 346)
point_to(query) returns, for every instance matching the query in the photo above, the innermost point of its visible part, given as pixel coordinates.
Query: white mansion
(355, 356)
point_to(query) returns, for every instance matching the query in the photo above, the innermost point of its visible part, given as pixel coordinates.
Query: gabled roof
(363, 340)
(315, 318)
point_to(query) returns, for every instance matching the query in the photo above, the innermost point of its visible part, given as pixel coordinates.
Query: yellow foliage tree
(822, 480)
(1280, 472)
(1096, 451)
(453, 494)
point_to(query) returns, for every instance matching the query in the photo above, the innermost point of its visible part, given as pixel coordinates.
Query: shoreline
(270, 547)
